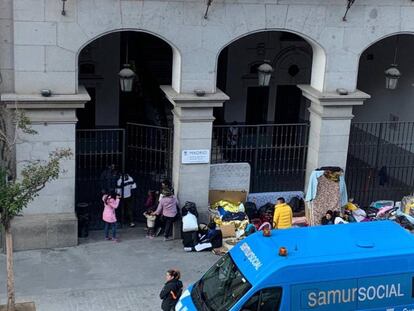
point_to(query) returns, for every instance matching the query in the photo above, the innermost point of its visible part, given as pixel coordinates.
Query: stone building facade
(40, 48)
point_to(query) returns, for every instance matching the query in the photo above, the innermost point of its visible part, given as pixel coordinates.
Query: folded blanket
(233, 216)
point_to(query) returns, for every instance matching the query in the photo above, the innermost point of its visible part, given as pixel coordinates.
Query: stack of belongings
(230, 217)
(259, 218)
(407, 205)
(384, 208)
(190, 224)
(405, 216)
(326, 192)
(198, 237)
(378, 210)
(354, 213)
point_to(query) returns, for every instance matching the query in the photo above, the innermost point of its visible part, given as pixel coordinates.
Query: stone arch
(318, 60)
(388, 35)
(289, 55)
(176, 62)
(377, 56)
(354, 57)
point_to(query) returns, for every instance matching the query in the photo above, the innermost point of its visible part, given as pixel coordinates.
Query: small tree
(17, 192)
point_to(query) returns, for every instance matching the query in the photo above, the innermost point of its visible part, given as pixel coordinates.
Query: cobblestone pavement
(102, 275)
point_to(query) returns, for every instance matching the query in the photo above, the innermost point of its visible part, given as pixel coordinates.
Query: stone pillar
(330, 123)
(193, 122)
(49, 221)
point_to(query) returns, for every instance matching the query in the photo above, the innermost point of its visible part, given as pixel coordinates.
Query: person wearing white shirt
(124, 189)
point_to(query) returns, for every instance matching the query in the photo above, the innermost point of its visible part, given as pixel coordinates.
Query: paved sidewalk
(102, 275)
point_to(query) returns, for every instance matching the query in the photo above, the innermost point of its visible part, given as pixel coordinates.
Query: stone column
(330, 123)
(49, 221)
(193, 126)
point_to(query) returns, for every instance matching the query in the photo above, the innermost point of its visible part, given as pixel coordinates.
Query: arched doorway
(265, 125)
(381, 140)
(123, 132)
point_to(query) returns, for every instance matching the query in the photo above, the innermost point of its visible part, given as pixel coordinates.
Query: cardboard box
(228, 230)
(232, 196)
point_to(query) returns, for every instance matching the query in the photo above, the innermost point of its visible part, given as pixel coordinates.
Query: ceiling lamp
(264, 72)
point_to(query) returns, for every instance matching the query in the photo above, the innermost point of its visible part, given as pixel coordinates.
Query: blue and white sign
(384, 292)
(200, 156)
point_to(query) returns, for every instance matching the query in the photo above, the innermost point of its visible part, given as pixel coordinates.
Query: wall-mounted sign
(195, 156)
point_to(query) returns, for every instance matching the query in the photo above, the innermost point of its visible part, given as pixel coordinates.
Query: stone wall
(43, 48)
(52, 41)
(6, 46)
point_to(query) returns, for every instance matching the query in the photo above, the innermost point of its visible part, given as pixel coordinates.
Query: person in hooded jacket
(171, 291)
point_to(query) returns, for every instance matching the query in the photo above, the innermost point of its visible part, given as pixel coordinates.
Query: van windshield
(221, 287)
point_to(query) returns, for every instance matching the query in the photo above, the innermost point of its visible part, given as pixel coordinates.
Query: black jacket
(168, 302)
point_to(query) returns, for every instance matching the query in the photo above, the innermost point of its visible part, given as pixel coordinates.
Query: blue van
(356, 266)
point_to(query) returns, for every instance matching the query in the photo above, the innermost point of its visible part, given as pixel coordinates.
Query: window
(266, 300)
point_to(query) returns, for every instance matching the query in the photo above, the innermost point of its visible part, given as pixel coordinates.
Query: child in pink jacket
(111, 202)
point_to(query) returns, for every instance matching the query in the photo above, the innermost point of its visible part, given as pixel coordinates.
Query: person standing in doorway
(108, 179)
(167, 208)
(111, 202)
(282, 217)
(172, 290)
(233, 134)
(125, 185)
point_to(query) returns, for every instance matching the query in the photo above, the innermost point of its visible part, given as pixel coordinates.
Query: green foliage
(24, 123)
(15, 195)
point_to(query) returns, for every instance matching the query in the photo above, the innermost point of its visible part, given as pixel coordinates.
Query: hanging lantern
(264, 72)
(392, 75)
(126, 78)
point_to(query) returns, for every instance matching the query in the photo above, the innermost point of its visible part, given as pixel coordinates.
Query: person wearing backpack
(172, 290)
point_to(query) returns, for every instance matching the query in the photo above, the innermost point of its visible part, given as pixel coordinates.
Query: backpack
(297, 205)
(251, 210)
(268, 208)
(189, 207)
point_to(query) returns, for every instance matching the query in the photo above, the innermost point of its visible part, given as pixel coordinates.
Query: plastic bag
(190, 223)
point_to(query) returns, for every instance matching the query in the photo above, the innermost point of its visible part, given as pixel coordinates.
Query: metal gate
(143, 151)
(96, 151)
(149, 158)
(276, 153)
(380, 161)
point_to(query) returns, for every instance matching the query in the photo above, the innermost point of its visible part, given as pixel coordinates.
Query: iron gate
(380, 161)
(275, 152)
(143, 151)
(96, 151)
(149, 158)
